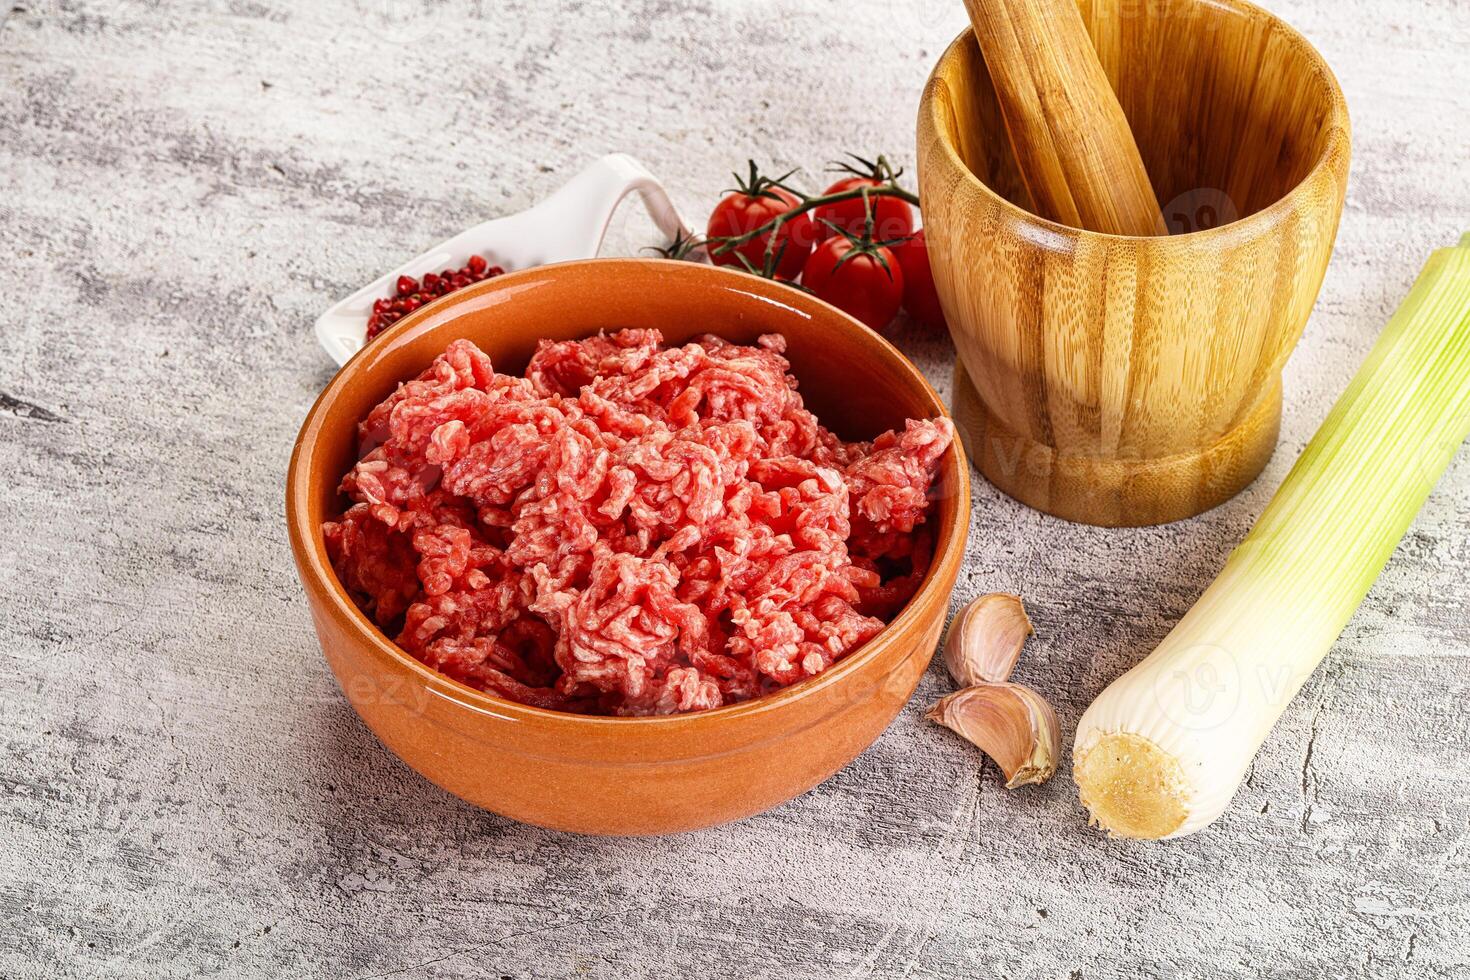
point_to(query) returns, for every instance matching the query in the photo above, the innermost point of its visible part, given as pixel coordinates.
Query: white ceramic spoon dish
(570, 224)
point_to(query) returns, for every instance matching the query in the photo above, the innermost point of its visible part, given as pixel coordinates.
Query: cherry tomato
(919, 295)
(892, 218)
(738, 213)
(854, 279)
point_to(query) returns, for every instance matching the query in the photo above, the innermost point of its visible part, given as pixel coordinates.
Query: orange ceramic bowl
(624, 775)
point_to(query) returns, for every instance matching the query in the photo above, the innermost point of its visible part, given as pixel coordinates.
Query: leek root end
(1131, 787)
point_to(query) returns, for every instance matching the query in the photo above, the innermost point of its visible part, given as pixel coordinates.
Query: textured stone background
(183, 186)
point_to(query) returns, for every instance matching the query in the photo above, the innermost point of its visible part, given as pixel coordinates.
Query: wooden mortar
(1126, 380)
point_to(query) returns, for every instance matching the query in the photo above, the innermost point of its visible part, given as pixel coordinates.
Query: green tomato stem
(727, 243)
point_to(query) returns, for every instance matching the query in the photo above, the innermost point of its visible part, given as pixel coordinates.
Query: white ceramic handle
(577, 215)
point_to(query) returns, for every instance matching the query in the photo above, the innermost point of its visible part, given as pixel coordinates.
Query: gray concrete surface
(183, 186)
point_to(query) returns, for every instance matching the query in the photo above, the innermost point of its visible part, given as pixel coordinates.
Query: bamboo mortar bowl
(1126, 381)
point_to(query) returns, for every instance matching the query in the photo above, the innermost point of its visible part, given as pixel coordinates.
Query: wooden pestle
(1072, 142)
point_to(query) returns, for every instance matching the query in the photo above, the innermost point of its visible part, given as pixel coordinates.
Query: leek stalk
(1162, 751)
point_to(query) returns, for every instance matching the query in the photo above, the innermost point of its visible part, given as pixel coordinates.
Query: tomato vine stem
(728, 242)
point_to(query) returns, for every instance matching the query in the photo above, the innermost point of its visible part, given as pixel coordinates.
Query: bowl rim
(309, 547)
(1337, 121)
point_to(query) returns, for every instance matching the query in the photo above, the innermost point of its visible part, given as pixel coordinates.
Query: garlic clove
(984, 641)
(1008, 722)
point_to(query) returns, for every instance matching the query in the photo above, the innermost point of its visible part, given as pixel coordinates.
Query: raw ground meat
(629, 529)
